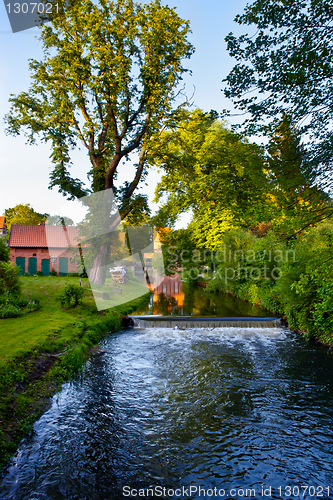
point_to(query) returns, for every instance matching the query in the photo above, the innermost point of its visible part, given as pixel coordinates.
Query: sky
(25, 169)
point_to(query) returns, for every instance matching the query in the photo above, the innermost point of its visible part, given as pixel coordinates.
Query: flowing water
(237, 412)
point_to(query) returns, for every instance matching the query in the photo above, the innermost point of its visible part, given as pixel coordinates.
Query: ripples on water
(227, 408)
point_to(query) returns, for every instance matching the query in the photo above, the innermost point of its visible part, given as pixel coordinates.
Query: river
(237, 412)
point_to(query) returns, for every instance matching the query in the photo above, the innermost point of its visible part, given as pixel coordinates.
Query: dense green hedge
(293, 279)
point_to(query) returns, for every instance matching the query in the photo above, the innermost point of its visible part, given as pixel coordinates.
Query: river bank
(41, 350)
(325, 339)
(292, 279)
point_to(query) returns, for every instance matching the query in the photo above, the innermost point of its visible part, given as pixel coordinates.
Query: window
(53, 260)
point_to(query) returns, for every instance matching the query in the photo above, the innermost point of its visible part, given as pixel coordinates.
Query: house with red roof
(43, 247)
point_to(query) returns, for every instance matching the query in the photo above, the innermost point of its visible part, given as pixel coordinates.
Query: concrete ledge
(183, 322)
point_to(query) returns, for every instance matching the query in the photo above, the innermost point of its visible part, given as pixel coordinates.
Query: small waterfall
(185, 322)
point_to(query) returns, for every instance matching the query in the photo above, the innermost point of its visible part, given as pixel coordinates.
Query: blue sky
(25, 169)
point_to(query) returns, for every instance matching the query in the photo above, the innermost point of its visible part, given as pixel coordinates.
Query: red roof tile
(42, 236)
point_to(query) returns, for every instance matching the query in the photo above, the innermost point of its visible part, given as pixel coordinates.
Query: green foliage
(9, 278)
(131, 276)
(10, 311)
(71, 295)
(286, 66)
(23, 214)
(53, 272)
(140, 211)
(302, 289)
(296, 201)
(15, 305)
(213, 172)
(306, 284)
(4, 250)
(74, 359)
(58, 220)
(177, 249)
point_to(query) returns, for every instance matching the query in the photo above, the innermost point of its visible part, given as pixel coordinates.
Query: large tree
(23, 214)
(108, 80)
(286, 65)
(214, 173)
(297, 200)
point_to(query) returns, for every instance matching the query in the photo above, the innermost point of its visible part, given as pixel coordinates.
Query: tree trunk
(101, 223)
(97, 273)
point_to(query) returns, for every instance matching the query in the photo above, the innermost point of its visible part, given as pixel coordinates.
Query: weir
(185, 322)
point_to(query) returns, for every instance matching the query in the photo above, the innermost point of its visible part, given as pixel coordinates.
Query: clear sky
(25, 169)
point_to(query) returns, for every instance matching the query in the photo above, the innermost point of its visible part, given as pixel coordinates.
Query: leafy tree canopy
(288, 61)
(297, 200)
(59, 220)
(108, 81)
(213, 172)
(23, 214)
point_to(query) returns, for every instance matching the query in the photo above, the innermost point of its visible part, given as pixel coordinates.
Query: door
(45, 267)
(20, 262)
(63, 266)
(32, 266)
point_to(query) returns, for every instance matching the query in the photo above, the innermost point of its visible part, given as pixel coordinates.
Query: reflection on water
(175, 298)
(228, 408)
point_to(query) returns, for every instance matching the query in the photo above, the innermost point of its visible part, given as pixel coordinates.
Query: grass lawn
(52, 325)
(19, 336)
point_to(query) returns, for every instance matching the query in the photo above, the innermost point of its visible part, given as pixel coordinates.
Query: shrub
(4, 250)
(131, 276)
(10, 311)
(9, 278)
(70, 295)
(93, 335)
(39, 273)
(53, 272)
(14, 305)
(33, 304)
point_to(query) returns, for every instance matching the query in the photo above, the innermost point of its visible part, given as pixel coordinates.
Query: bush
(33, 304)
(70, 295)
(10, 311)
(53, 272)
(39, 273)
(12, 303)
(131, 276)
(9, 278)
(4, 250)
